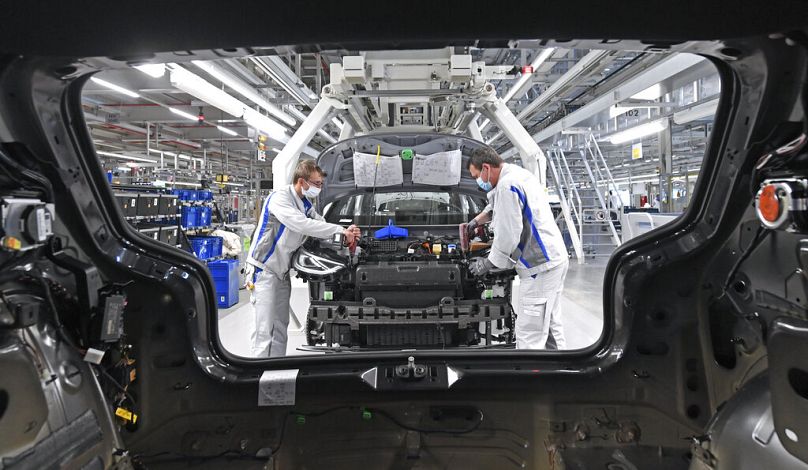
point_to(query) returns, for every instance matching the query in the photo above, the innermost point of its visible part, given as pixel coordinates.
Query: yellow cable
(378, 154)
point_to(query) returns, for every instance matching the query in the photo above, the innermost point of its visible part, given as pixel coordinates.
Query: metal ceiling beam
(586, 64)
(281, 74)
(652, 76)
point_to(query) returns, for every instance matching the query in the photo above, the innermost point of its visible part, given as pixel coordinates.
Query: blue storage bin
(204, 216)
(217, 245)
(206, 247)
(225, 279)
(204, 195)
(202, 247)
(188, 217)
(186, 194)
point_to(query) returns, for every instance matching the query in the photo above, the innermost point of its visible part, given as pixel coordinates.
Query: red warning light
(527, 69)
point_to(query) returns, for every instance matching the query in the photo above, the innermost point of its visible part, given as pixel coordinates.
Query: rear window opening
(188, 150)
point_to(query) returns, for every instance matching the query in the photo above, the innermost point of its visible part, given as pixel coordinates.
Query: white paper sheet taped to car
(388, 173)
(277, 387)
(440, 169)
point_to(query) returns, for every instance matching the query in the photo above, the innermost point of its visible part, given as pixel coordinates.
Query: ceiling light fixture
(227, 131)
(540, 58)
(114, 87)
(124, 157)
(638, 132)
(183, 114)
(152, 70)
(240, 87)
(651, 93)
(201, 89)
(699, 111)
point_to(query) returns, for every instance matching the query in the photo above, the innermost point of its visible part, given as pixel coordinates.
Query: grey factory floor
(582, 310)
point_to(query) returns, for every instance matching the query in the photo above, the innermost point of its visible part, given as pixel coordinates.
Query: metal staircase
(582, 180)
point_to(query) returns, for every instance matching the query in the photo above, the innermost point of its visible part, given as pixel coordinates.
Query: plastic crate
(206, 247)
(204, 216)
(201, 246)
(188, 217)
(204, 195)
(186, 194)
(225, 278)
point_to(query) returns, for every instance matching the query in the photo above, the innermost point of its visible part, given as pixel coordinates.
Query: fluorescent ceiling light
(263, 123)
(699, 111)
(651, 93)
(241, 88)
(196, 86)
(234, 184)
(276, 149)
(227, 131)
(114, 87)
(183, 114)
(520, 83)
(124, 157)
(638, 132)
(152, 70)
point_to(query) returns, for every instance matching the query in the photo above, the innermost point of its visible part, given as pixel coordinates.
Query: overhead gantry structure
(417, 91)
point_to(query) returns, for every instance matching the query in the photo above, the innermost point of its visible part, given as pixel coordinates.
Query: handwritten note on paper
(440, 169)
(388, 173)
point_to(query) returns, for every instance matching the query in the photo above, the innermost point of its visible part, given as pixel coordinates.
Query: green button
(300, 419)
(488, 294)
(328, 295)
(406, 154)
(367, 415)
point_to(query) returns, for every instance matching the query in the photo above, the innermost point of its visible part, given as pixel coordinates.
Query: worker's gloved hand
(249, 271)
(471, 228)
(351, 234)
(480, 266)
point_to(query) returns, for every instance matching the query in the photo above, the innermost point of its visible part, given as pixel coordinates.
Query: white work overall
(286, 220)
(527, 238)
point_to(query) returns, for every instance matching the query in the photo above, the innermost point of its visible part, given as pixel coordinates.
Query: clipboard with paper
(439, 169)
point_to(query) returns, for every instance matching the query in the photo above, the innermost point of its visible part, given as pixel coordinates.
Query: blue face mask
(484, 185)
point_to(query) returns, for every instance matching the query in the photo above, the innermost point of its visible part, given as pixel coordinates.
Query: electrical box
(26, 223)
(460, 68)
(354, 69)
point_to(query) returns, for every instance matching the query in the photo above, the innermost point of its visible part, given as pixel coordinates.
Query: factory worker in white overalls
(287, 218)
(527, 238)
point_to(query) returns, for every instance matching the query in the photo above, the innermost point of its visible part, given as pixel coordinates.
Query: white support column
(474, 130)
(283, 166)
(533, 158)
(347, 132)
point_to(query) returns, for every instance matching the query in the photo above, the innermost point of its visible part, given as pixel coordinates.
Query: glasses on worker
(316, 184)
